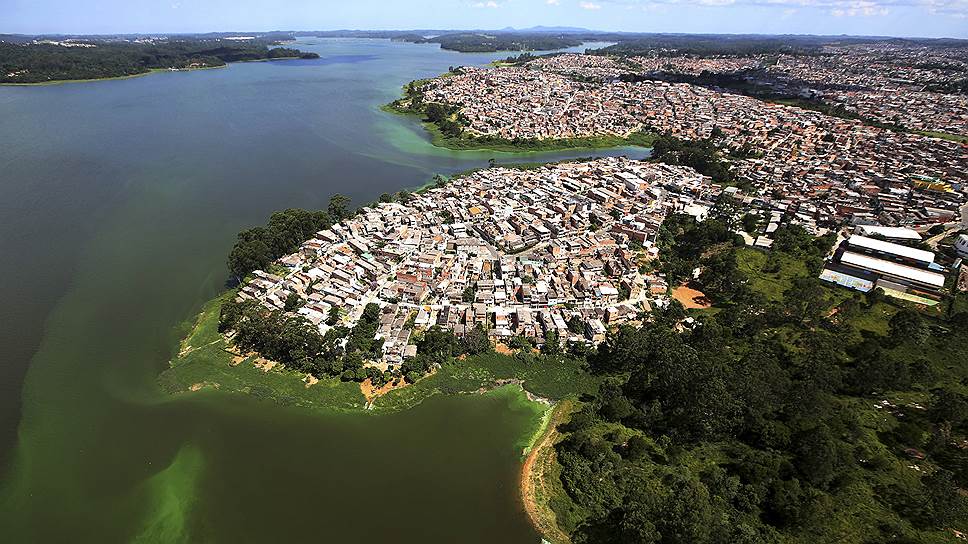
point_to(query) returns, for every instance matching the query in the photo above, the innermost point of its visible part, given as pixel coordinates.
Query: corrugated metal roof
(894, 269)
(894, 249)
(899, 233)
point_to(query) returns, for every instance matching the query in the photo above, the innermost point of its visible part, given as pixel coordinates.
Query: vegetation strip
(537, 472)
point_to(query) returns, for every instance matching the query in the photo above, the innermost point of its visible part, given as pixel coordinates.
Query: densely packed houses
(886, 83)
(843, 169)
(916, 87)
(525, 252)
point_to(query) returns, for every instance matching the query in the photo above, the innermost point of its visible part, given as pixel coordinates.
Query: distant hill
(550, 29)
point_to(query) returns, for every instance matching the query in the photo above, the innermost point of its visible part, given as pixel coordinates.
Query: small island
(45, 61)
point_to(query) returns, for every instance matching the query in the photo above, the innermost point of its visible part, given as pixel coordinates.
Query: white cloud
(854, 8)
(553, 2)
(589, 5)
(837, 8)
(490, 4)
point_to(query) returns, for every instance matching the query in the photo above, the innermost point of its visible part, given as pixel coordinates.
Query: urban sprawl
(565, 248)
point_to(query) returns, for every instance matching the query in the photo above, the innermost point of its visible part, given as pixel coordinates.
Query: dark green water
(118, 203)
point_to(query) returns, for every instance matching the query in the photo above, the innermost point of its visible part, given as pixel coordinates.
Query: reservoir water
(119, 201)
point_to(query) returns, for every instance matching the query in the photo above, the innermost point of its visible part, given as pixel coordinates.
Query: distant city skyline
(902, 18)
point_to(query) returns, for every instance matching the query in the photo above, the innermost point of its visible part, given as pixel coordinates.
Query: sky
(909, 18)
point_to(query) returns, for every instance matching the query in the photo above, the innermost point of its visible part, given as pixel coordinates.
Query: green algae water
(120, 200)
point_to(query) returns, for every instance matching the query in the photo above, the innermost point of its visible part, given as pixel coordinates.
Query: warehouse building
(864, 264)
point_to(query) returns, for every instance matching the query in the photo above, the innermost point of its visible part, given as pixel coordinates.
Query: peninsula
(753, 336)
(566, 280)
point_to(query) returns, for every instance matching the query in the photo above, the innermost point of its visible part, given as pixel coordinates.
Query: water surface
(120, 200)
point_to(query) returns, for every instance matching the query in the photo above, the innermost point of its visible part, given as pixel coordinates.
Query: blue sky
(928, 18)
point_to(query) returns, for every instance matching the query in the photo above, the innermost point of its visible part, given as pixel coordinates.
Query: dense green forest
(487, 43)
(789, 412)
(701, 155)
(256, 247)
(40, 62)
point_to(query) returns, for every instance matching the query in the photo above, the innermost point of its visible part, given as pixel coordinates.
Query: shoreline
(111, 78)
(201, 361)
(533, 486)
(132, 76)
(437, 139)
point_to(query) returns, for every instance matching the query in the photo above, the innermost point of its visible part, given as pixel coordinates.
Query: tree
(721, 277)
(475, 341)
(552, 344)
(578, 349)
(576, 325)
(945, 504)
(949, 407)
(257, 247)
(351, 363)
(437, 344)
(874, 296)
(339, 207)
(520, 343)
(820, 456)
(293, 302)
(879, 371)
(623, 350)
(806, 299)
(329, 367)
(251, 252)
(907, 325)
(436, 112)
(334, 316)
(786, 501)
(751, 223)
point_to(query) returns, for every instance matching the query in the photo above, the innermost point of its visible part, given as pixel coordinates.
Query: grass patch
(204, 364)
(552, 379)
(772, 273)
(943, 135)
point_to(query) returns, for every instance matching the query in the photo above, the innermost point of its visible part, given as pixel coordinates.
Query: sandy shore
(534, 485)
(371, 393)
